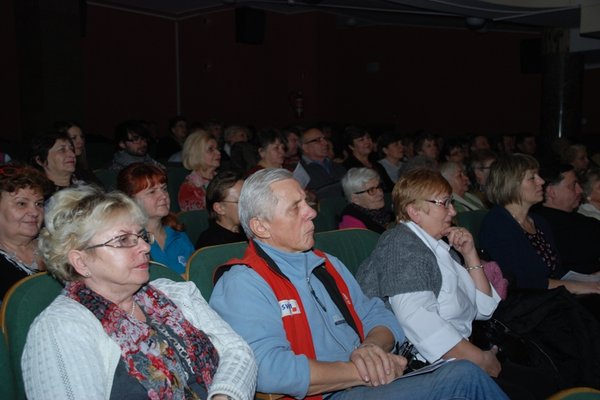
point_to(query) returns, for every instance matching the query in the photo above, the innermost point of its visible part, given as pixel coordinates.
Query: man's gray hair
(257, 199)
(356, 179)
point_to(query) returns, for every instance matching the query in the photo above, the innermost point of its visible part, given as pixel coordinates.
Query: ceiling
(582, 17)
(523, 13)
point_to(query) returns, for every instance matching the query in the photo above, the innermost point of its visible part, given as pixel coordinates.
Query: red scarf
(296, 325)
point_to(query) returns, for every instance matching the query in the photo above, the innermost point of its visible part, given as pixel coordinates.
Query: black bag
(546, 328)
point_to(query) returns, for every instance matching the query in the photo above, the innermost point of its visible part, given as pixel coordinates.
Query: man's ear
(549, 193)
(122, 144)
(261, 229)
(77, 261)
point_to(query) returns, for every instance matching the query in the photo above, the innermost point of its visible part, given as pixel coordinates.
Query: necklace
(132, 309)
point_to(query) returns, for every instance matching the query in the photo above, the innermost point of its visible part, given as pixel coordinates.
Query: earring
(87, 274)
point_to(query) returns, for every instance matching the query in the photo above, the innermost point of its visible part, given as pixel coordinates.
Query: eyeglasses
(446, 202)
(229, 201)
(371, 191)
(136, 138)
(125, 241)
(317, 139)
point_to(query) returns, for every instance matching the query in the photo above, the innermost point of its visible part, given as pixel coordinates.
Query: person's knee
(462, 368)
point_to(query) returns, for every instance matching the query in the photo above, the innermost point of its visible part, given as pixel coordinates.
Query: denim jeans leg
(459, 380)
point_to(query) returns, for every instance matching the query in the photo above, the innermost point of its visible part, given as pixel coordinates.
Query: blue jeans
(459, 380)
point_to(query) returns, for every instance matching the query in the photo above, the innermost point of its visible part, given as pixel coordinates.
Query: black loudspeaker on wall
(249, 25)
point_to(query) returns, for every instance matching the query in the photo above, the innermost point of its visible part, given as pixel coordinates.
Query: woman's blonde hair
(415, 185)
(73, 217)
(194, 148)
(506, 174)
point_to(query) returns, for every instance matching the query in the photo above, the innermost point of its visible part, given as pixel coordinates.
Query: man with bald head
(325, 175)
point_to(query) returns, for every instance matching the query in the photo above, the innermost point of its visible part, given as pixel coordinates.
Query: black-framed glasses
(126, 240)
(317, 139)
(229, 201)
(371, 191)
(446, 202)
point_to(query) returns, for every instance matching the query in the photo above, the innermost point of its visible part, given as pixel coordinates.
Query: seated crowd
(287, 318)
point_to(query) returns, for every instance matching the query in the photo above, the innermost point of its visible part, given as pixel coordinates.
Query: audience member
(577, 156)
(270, 150)
(521, 241)
(222, 197)
(576, 235)
(283, 299)
(434, 296)
(22, 190)
(479, 170)
(526, 143)
(506, 143)
(4, 158)
(478, 143)
(418, 162)
(244, 157)
(201, 155)
(147, 185)
(131, 138)
(291, 136)
(456, 176)
(391, 154)
(53, 152)
(360, 154)
(173, 142)
(78, 139)
(325, 175)
(453, 150)
(111, 333)
(426, 146)
(215, 128)
(233, 134)
(366, 207)
(591, 194)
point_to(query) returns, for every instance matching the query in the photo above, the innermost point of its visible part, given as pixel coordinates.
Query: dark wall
(450, 81)
(129, 64)
(447, 81)
(9, 94)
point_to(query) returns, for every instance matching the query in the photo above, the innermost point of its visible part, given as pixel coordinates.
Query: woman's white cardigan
(68, 355)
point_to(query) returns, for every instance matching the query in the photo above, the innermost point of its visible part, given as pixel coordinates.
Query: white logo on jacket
(289, 307)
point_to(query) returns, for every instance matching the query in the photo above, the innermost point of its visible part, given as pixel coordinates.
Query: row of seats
(28, 297)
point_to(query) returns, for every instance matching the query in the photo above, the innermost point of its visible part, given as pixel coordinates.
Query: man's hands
(376, 366)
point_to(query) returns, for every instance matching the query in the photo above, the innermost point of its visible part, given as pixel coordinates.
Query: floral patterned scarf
(154, 361)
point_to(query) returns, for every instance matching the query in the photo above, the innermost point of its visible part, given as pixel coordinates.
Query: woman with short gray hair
(366, 205)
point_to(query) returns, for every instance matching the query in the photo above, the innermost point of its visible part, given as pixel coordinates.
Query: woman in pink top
(366, 206)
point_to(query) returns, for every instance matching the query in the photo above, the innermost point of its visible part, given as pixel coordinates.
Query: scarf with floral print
(155, 361)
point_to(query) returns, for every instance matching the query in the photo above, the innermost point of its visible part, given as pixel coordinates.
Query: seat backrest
(195, 222)
(472, 221)
(175, 176)
(24, 301)
(202, 263)
(158, 270)
(108, 177)
(351, 246)
(329, 213)
(7, 385)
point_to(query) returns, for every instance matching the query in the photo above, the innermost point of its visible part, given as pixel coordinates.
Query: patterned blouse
(544, 250)
(192, 192)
